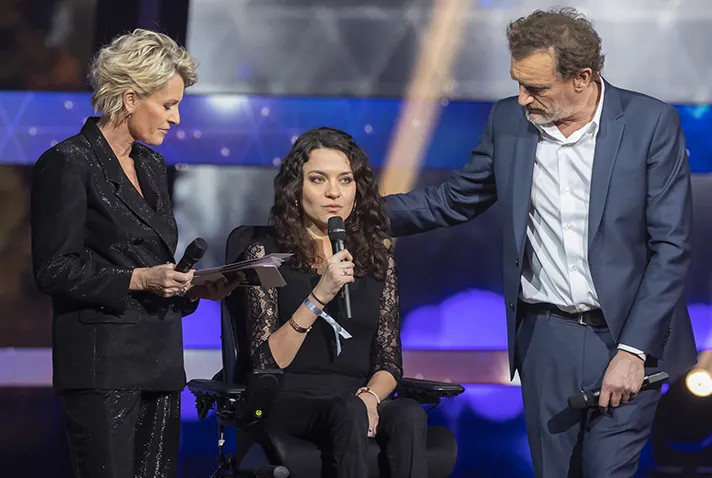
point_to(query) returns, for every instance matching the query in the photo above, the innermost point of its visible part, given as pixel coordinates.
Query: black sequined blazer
(90, 229)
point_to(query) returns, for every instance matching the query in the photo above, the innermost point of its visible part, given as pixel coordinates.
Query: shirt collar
(596, 121)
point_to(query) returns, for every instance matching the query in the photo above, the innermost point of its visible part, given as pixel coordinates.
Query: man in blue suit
(594, 188)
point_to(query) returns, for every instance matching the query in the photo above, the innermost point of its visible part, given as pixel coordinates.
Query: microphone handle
(346, 297)
(344, 294)
(183, 265)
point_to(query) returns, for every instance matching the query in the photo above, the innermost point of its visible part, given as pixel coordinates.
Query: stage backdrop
(222, 161)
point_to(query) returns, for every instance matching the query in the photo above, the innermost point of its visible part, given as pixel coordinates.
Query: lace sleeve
(261, 315)
(386, 350)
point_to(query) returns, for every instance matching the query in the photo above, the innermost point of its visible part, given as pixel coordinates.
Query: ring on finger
(181, 292)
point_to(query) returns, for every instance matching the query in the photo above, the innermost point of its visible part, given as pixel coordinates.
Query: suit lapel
(155, 209)
(522, 171)
(607, 144)
(146, 179)
(125, 191)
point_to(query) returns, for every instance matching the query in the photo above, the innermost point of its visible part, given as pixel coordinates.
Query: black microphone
(193, 253)
(337, 236)
(589, 398)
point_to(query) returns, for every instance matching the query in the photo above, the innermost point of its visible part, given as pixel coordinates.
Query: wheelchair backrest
(235, 339)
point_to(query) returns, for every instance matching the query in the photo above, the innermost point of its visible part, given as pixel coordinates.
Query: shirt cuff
(633, 350)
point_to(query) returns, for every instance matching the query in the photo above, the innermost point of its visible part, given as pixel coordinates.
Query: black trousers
(556, 358)
(338, 424)
(122, 433)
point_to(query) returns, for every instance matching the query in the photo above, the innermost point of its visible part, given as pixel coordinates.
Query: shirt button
(567, 189)
(516, 262)
(582, 307)
(569, 227)
(574, 268)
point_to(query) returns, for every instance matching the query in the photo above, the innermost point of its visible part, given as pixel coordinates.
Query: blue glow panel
(254, 131)
(449, 325)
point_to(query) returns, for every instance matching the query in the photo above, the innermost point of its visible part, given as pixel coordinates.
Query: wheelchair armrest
(216, 389)
(427, 391)
(214, 392)
(244, 405)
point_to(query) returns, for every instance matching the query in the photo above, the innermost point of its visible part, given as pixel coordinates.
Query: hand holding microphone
(338, 273)
(168, 280)
(193, 253)
(589, 398)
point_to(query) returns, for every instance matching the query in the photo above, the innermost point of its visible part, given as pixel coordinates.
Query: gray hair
(141, 61)
(565, 32)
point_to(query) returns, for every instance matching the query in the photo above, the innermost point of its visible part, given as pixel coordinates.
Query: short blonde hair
(141, 61)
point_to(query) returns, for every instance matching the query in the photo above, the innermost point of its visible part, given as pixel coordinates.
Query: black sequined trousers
(122, 433)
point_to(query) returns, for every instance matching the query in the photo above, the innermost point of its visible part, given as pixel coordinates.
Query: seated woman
(335, 391)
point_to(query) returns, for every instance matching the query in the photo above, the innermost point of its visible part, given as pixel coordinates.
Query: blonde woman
(103, 244)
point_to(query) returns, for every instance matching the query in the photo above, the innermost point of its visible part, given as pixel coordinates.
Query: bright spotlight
(699, 382)
(227, 104)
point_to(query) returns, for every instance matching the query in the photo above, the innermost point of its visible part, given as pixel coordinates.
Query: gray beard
(538, 119)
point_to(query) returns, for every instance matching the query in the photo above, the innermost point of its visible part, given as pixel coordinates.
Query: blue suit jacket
(640, 216)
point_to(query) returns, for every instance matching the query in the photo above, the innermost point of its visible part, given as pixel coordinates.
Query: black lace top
(375, 324)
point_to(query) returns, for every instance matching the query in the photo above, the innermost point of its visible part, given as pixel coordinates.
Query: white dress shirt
(555, 269)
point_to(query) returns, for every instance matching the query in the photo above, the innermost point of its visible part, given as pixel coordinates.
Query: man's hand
(623, 379)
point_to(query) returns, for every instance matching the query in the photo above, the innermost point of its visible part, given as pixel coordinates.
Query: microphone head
(336, 228)
(196, 250)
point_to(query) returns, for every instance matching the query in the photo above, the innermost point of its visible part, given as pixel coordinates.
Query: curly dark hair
(575, 43)
(366, 228)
